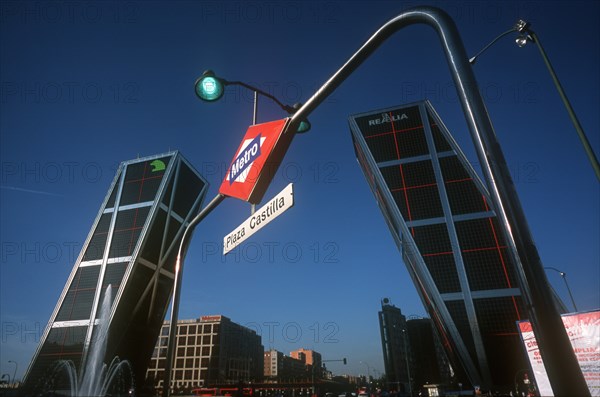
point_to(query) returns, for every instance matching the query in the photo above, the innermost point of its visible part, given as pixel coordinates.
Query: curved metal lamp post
(368, 371)
(528, 35)
(560, 361)
(183, 246)
(555, 348)
(561, 364)
(564, 277)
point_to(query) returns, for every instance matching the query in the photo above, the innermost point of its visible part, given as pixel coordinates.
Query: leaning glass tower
(442, 220)
(132, 247)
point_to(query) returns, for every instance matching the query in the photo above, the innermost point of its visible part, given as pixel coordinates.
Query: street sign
(271, 210)
(257, 160)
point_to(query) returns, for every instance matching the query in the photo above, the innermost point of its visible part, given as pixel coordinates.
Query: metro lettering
(245, 158)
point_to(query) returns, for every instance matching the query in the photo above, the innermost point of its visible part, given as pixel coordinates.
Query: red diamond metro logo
(256, 161)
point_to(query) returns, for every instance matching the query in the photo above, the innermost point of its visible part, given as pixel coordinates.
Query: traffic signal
(209, 87)
(304, 125)
(344, 361)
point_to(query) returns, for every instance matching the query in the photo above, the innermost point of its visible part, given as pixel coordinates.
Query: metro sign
(241, 166)
(256, 161)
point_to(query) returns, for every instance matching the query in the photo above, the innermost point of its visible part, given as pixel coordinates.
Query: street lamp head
(521, 26)
(522, 40)
(209, 87)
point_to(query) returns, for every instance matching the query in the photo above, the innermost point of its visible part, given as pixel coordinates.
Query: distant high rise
(394, 342)
(211, 350)
(428, 364)
(132, 247)
(441, 218)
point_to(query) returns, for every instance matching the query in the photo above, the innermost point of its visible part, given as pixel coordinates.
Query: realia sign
(256, 161)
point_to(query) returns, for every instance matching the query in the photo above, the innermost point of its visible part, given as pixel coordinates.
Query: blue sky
(87, 85)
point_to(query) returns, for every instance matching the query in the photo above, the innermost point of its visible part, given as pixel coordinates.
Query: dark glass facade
(131, 247)
(428, 364)
(440, 215)
(395, 346)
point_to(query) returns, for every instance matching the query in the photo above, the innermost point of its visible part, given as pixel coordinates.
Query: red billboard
(584, 332)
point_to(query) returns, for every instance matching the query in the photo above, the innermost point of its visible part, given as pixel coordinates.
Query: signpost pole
(254, 117)
(183, 246)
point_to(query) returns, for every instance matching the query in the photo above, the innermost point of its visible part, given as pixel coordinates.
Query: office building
(428, 362)
(132, 247)
(394, 342)
(294, 370)
(308, 357)
(311, 359)
(273, 364)
(440, 216)
(282, 368)
(210, 351)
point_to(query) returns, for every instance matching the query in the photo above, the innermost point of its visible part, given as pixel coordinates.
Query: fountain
(96, 378)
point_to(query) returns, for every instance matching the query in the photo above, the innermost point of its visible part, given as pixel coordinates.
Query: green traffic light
(209, 87)
(303, 127)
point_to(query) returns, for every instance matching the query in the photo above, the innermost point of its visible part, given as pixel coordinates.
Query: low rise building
(311, 359)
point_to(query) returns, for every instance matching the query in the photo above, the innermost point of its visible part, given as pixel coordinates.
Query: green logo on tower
(157, 165)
